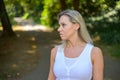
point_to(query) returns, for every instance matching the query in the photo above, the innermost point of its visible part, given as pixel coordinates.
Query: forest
(102, 17)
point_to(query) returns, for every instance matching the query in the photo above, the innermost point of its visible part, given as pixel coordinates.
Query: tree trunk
(76, 5)
(7, 27)
(63, 5)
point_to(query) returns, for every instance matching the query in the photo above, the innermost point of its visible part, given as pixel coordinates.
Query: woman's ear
(77, 26)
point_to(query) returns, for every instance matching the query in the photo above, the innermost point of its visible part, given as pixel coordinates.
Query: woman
(76, 58)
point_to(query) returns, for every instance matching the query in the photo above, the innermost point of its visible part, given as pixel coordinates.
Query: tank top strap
(89, 48)
(59, 51)
(88, 51)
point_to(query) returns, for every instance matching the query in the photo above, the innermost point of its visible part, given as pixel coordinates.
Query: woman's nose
(59, 29)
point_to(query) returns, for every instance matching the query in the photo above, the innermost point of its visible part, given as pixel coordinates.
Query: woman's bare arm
(98, 64)
(51, 75)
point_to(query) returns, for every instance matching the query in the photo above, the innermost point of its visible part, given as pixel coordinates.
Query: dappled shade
(34, 23)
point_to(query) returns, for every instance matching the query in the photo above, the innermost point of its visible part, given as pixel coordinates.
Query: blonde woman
(76, 58)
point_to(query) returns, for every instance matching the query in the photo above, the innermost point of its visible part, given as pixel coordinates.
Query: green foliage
(111, 37)
(115, 51)
(45, 15)
(49, 14)
(107, 26)
(25, 16)
(2, 77)
(103, 15)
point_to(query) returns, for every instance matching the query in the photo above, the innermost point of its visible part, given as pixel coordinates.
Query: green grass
(112, 50)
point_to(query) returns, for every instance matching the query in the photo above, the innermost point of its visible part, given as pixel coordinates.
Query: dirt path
(44, 41)
(112, 65)
(41, 72)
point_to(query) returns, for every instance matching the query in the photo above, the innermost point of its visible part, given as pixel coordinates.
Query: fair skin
(74, 46)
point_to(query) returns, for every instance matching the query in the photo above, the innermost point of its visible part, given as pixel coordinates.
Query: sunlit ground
(30, 28)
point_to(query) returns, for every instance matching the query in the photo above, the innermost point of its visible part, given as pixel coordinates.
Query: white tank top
(79, 69)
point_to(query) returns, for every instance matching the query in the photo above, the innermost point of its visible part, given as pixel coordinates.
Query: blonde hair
(75, 17)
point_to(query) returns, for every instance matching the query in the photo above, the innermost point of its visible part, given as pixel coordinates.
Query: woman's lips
(61, 34)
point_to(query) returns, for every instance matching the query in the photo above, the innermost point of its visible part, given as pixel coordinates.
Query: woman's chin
(63, 38)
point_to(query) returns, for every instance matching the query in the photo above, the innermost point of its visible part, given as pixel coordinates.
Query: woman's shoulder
(96, 50)
(53, 51)
(96, 53)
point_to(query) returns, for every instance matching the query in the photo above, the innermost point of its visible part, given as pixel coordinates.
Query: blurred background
(28, 30)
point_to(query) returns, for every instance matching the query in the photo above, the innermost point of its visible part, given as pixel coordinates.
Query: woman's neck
(74, 43)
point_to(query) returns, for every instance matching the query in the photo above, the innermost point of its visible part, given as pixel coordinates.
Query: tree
(63, 5)
(76, 4)
(7, 27)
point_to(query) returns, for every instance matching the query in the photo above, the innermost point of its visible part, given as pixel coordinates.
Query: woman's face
(66, 27)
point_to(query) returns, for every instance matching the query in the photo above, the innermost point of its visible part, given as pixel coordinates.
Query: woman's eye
(63, 25)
